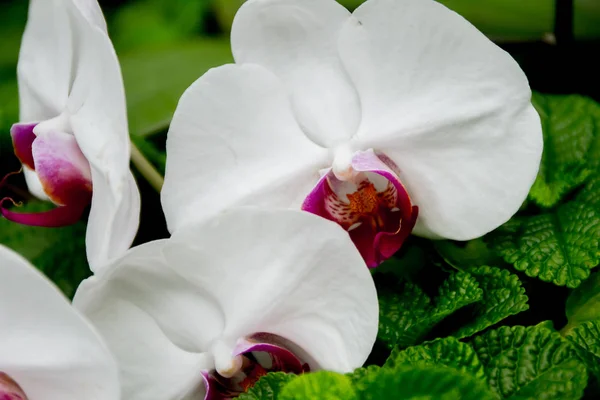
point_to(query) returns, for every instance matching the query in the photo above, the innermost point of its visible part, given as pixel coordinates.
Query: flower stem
(154, 178)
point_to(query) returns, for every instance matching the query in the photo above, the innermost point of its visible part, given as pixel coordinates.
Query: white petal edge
(50, 350)
(233, 141)
(450, 108)
(98, 118)
(248, 270)
(113, 221)
(45, 61)
(118, 299)
(92, 12)
(33, 184)
(297, 40)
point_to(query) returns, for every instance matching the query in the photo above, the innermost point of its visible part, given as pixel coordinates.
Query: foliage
(457, 320)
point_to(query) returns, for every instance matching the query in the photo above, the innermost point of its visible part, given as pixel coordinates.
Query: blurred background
(164, 45)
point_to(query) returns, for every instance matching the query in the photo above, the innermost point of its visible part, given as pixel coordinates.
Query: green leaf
(586, 341)
(407, 315)
(407, 263)
(513, 20)
(9, 113)
(583, 303)
(225, 12)
(14, 15)
(360, 373)
(503, 296)
(571, 138)
(58, 252)
(560, 246)
(321, 385)
(268, 387)
(466, 255)
(151, 23)
(530, 363)
(155, 79)
(447, 352)
(422, 383)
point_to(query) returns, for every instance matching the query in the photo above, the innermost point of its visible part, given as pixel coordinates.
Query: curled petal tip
(54, 218)
(22, 138)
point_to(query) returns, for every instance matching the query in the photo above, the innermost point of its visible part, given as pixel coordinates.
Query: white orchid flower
(48, 351)
(73, 139)
(204, 314)
(360, 118)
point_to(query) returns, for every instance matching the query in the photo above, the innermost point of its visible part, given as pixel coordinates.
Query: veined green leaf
(268, 387)
(503, 296)
(319, 385)
(530, 363)
(422, 382)
(407, 315)
(560, 246)
(571, 145)
(446, 352)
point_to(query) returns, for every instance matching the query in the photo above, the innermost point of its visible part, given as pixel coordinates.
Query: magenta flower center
(63, 172)
(9, 389)
(260, 354)
(366, 197)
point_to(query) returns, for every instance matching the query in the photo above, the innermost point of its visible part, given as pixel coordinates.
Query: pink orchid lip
(22, 138)
(379, 232)
(9, 389)
(262, 353)
(63, 172)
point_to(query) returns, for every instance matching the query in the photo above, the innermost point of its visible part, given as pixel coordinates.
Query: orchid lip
(251, 358)
(362, 192)
(22, 138)
(63, 172)
(9, 389)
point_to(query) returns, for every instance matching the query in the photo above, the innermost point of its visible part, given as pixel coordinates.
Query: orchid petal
(113, 221)
(46, 347)
(22, 138)
(99, 122)
(153, 366)
(297, 40)
(283, 279)
(54, 218)
(233, 142)
(449, 107)
(62, 169)
(33, 184)
(45, 61)
(91, 10)
(97, 104)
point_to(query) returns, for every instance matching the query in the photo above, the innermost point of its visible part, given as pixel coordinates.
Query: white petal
(234, 141)
(45, 345)
(154, 321)
(297, 40)
(449, 107)
(245, 271)
(151, 366)
(33, 184)
(284, 272)
(113, 221)
(91, 11)
(97, 103)
(45, 61)
(99, 123)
